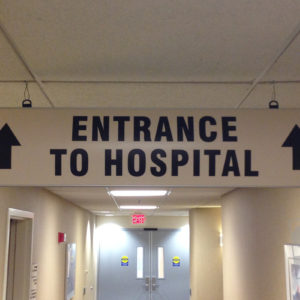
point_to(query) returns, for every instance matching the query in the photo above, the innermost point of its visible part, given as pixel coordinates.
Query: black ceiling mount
(273, 104)
(26, 103)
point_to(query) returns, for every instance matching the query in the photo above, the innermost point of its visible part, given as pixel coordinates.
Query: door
(19, 260)
(144, 265)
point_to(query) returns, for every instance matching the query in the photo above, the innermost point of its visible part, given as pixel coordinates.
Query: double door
(144, 265)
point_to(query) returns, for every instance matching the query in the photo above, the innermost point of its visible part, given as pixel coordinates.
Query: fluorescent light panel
(138, 207)
(138, 193)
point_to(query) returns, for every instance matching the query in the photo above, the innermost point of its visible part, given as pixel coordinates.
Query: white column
(206, 254)
(256, 225)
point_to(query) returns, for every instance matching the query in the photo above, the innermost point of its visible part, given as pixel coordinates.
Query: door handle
(150, 282)
(153, 284)
(147, 283)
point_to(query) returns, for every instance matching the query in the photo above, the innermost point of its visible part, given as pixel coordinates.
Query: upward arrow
(293, 141)
(7, 140)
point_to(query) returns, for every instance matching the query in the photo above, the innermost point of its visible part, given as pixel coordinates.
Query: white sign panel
(203, 148)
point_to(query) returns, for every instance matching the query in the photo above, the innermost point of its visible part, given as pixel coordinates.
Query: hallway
(255, 224)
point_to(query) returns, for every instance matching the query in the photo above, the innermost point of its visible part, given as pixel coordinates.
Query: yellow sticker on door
(176, 261)
(124, 261)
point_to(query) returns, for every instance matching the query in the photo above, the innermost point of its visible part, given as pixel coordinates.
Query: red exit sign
(138, 219)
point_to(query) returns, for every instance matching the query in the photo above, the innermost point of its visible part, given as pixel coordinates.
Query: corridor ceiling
(150, 54)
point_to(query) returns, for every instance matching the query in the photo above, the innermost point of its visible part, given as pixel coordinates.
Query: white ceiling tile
(154, 40)
(97, 206)
(146, 95)
(179, 201)
(11, 68)
(288, 66)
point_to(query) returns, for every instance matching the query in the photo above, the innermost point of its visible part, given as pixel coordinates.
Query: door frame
(15, 214)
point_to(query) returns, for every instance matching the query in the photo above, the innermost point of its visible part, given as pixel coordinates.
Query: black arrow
(293, 140)
(7, 140)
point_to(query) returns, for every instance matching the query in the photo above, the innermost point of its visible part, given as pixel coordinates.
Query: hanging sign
(201, 148)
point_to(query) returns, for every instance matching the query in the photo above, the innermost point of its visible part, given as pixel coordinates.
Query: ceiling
(150, 54)
(176, 203)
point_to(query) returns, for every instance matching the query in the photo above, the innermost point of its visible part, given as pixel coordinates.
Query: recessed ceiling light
(138, 207)
(138, 193)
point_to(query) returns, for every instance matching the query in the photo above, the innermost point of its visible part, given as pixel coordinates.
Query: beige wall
(256, 225)
(206, 254)
(52, 215)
